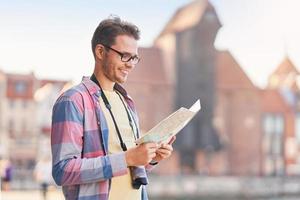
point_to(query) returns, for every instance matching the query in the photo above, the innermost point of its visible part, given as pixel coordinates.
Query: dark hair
(110, 28)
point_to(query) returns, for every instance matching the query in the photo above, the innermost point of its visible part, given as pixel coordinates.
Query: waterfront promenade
(53, 194)
(195, 188)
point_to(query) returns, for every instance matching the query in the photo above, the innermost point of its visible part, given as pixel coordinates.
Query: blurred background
(240, 57)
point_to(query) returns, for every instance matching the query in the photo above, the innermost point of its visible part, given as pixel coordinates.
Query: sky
(259, 34)
(52, 37)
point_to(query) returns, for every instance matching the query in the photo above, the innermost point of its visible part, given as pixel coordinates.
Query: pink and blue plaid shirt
(79, 143)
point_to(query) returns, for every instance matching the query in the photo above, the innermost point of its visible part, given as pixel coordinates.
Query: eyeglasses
(125, 57)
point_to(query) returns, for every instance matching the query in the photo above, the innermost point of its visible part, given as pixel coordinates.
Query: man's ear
(99, 52)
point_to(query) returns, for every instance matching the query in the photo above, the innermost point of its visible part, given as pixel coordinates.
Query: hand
(141, 154)
(164, 151)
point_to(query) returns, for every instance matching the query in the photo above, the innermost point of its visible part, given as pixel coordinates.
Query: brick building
(241, 130)
(18, 115)
(25, 118)
(282, 119)
(189, 57)
(237, 117)
(277, 121)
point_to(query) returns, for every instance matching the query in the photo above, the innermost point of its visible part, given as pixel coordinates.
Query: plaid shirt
(79, 143)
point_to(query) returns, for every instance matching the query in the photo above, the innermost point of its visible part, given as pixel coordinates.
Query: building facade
(25, 121)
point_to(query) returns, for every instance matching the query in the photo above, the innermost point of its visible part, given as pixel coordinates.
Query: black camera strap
(108, 106)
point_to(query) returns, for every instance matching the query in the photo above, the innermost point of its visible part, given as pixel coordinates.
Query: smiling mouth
(124, 71)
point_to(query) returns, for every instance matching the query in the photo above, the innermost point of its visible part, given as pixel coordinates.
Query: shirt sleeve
(150, 167)
(68, 166)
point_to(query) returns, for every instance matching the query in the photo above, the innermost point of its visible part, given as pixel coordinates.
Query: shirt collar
(93, 88)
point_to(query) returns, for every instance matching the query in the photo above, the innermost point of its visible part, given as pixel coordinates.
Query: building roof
(284, 76)
(24, 86)
(285, 67)
(229, 75)
(186, 17)
(273, 101)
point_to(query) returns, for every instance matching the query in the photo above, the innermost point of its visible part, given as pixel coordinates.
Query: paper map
(171, 125)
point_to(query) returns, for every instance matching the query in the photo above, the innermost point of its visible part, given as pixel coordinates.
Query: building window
(20, 87)
(273, 125)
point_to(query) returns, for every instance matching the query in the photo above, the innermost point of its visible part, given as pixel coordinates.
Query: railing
(199, 187)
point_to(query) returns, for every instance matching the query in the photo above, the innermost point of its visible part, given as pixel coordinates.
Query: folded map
(170, 126)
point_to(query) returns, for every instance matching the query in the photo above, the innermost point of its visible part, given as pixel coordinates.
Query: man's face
(113, 68)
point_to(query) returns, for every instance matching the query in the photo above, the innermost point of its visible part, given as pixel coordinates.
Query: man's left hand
(164, 151)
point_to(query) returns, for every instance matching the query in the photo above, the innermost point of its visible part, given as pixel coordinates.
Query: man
(94, 125)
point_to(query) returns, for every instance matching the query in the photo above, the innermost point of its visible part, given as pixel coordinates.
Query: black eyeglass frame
(134, 59)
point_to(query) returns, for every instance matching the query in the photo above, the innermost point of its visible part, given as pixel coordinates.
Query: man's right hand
(141, 154)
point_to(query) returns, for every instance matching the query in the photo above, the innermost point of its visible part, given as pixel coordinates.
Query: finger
(163, 155)
(150, 151)
(152, 155)
(167, 146)
(163, 151)
(159, 144)
(172, 140)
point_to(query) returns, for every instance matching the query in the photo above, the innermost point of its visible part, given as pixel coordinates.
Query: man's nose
(130, 64)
